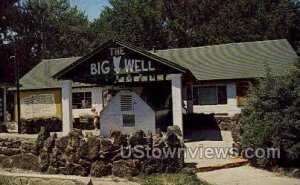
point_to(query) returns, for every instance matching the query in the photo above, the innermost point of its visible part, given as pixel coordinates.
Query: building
(166, 83)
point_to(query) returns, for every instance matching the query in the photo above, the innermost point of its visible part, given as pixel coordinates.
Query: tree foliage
(170, 24)
(271, 119)
(45, 29)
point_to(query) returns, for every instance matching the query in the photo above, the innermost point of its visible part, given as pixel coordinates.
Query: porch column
(66, 92)
(177, 100)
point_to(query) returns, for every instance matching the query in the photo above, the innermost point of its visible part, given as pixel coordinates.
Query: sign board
(35, 106)
(2, 114)
(120, 63)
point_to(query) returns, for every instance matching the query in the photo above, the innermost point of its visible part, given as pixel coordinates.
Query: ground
(246, 175)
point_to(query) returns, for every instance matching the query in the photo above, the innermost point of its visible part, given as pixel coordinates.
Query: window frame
(133, 124)
(85, 97)
(216, 94)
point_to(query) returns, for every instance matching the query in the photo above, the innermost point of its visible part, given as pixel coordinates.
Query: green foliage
(186, 23)
(46, 29)
(271, 119)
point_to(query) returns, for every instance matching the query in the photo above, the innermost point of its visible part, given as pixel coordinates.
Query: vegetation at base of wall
(271, 119)
(33, 126)
(175, 179)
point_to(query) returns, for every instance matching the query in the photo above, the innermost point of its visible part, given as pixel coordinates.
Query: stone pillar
(66, 94)
(177, 100)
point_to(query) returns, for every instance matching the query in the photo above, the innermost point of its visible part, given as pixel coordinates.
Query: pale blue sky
(92, 8)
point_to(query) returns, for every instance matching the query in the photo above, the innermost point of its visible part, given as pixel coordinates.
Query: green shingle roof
(40, 77)
(235, 61)
(218, 62)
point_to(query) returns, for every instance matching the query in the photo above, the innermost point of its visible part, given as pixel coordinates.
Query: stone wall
(75, 154)
(16, 152)
(102, 156)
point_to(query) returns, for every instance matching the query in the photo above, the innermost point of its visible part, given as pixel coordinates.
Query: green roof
(235, 61)
(40, 77)
(218, 62)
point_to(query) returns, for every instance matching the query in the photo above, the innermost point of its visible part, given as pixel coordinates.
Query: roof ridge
(60, 58)
(227, 44)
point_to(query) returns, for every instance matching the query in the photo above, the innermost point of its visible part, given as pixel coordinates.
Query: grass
(170, 179)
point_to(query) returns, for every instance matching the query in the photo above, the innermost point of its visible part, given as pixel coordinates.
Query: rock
(5, 161)
(44, 160)
(175, 129)
(137, 138)
(119, 139)
(151, 166)
(105, 145)
(93, 147)
(100, 169)
(76, 133)
(84, 163)
(49, 143)
(62, 143)
(149, 139)
(83, 150)
(281, 170)
(126, 168)
(296, 173)
(10, 151)
(42, 136)
(158, 133)
(26, 162)
(172, 140)
(52, 170)
(70, 155)
(75, 169)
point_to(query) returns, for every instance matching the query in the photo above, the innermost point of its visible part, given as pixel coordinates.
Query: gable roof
(113, 40)
(235, 61)
(40, 77)
(218, 62)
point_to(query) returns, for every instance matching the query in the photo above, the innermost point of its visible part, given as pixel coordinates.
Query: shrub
(33, 126)
(271, 119)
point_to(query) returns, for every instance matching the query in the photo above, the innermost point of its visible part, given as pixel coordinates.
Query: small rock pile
(120, 155)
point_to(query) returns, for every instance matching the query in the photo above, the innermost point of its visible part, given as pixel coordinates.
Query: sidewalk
(246, 175)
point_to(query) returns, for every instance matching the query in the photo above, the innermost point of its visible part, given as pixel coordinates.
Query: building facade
(164, 83)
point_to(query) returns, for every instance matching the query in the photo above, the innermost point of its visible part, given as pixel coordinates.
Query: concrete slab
(246, 175)
(210, 153)
(85, 180)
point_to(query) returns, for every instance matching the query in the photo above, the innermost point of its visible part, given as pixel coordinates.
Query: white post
(66, 91)
(4, 104)
(177, 100)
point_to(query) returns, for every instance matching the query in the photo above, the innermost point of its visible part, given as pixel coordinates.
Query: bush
(271, 119)
(33, 126)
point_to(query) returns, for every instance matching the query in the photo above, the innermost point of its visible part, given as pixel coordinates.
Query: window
(128, 120)
(82, 100)
(209, 95)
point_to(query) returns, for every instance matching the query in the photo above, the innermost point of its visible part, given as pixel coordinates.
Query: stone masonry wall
(119, 155)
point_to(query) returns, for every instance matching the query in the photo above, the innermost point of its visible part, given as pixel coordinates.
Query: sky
(92, 8)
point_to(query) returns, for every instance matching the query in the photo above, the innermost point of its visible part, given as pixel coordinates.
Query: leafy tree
(47, 29)
(186, 23)
(137, 21)
(271, 119)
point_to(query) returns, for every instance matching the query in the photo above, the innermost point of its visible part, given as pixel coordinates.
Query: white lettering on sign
(120, 63)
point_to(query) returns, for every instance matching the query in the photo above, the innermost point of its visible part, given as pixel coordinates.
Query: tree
(271, 119)
(187, 23)
(47, 29)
